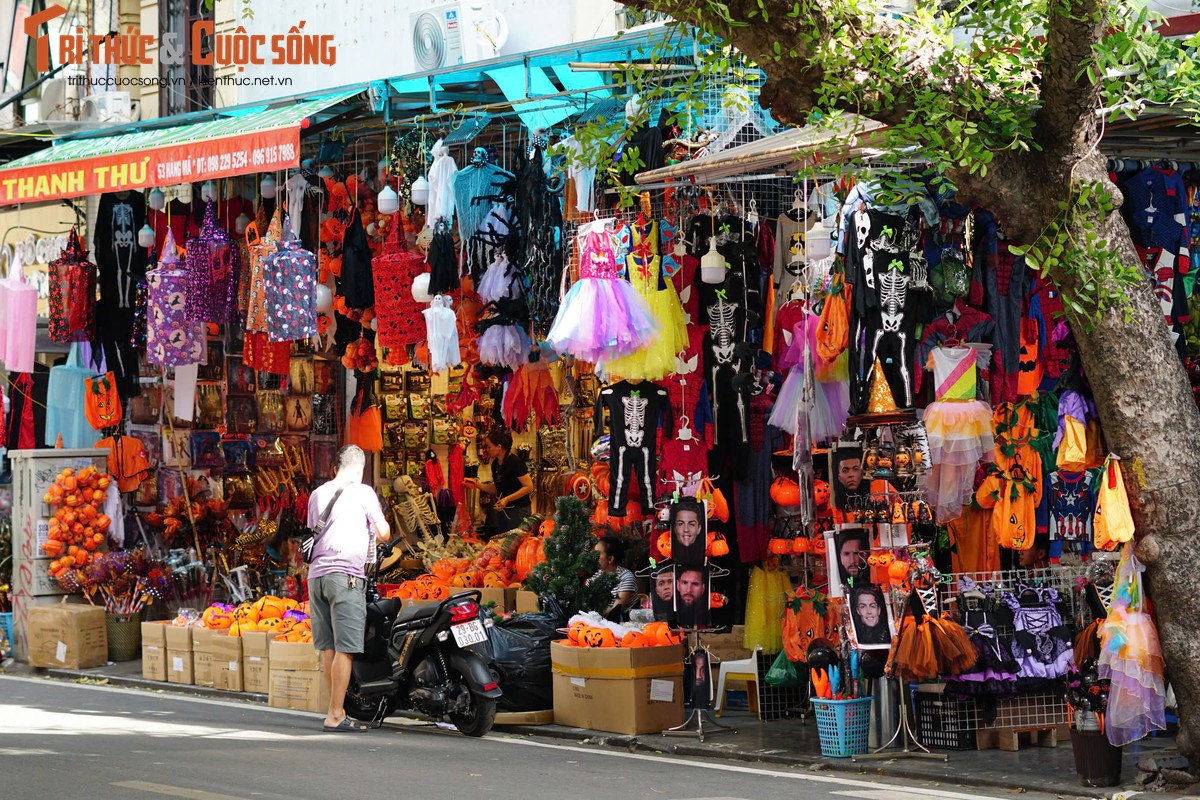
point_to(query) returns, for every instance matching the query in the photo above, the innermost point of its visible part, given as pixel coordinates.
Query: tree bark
(1147, 411)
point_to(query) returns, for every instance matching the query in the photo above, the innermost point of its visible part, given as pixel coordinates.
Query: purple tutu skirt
(601, 318)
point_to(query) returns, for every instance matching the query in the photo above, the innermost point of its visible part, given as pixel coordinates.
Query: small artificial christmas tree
(570, 561)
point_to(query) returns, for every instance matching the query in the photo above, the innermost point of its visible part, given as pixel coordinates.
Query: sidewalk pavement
(788, 742)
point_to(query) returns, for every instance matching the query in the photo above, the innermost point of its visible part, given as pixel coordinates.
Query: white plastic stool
(743, 669)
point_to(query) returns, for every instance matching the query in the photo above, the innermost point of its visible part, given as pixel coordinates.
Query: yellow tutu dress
(656, 360)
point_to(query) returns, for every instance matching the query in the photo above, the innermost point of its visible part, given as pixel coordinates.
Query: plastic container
(945, 721)
(1096, 760)
(843, 726)
(6, 624)
(124, 636)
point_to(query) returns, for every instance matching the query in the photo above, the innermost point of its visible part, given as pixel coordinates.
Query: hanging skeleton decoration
(722, 316)
(124, 244)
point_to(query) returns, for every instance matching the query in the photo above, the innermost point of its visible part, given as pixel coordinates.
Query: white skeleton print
(721, 319)
(635, 419)
(123, 248)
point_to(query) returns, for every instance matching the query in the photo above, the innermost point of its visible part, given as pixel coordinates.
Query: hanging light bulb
(816, 242)
(712, 265)
(266, 187)
(146, 237)
(388, 201)
(208, 191)
(420, 191)
(157, 199)
(241, 223)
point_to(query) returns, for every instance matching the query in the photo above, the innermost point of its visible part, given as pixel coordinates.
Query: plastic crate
(6, 623)
(945, 721)
(843, 726)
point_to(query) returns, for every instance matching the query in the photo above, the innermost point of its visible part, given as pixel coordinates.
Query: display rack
(700, 722)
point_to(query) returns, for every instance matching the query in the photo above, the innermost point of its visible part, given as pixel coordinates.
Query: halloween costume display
(635, 413)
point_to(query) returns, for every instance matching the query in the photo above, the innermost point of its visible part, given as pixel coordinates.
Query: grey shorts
(337, 612)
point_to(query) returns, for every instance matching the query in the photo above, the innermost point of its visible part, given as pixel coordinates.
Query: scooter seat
(385, 607)
(417, 612)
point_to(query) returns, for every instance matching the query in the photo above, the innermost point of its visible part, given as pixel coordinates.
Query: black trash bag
(521, 657)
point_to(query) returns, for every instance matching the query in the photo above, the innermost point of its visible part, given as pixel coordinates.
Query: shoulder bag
(308, 539)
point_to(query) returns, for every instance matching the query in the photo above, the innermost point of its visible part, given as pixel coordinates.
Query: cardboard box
(227, 663)
(67, 636)
(256, 661)
(154, 651)
(202, 661)
(618, 690)
(527, 602)
(300, 690)
(179, 638)
(727, 646)
(295, 679)
(179, 667)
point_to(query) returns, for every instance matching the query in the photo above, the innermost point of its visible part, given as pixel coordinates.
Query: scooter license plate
(468, 633)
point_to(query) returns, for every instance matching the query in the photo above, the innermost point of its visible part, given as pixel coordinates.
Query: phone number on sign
(239, 159)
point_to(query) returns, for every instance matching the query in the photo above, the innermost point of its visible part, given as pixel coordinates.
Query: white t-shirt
(347, 543)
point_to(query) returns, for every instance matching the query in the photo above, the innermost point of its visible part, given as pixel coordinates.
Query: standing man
(337, 575)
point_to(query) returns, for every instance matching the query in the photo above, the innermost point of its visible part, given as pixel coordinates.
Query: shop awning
(221, 148)
(783, 152)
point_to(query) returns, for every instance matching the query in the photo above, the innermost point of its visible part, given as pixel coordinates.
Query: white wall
(373, 40)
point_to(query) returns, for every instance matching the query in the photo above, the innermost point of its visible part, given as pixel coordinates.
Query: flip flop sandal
(347, 725)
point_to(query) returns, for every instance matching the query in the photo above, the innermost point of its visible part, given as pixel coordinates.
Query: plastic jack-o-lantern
(821, 493)
(664, 544)
(800, 545)
(635, 639)
(597, 637)
(785, 492)
(718, 546)
(779, 547)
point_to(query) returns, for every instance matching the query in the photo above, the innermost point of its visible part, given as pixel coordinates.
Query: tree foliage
(1006, 103)
(571, 561)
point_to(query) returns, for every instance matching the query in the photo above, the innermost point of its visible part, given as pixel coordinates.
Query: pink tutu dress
(959, 428)
(602, 315)
(823, 396)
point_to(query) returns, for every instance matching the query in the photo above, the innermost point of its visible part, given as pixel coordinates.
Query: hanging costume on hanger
(539, 219)
(474, 186)
(602, 316)
(635, 411)
(211, 272)
(685, 455)
(752, 499)
(121, 268)
(657, 359)
(356, 282)
(959, 427)
(995, 670)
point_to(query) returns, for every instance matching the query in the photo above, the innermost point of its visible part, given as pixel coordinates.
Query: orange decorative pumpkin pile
(78, 527)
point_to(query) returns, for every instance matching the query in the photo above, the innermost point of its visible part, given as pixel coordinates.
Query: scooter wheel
(480, 719)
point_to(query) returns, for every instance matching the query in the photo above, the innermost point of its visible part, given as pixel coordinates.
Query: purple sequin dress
(1042, 643)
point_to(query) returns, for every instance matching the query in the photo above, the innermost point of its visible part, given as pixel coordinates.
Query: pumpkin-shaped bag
(101, 403)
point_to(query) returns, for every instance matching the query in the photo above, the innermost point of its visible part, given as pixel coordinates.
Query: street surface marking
(904, 792)
(173, 791)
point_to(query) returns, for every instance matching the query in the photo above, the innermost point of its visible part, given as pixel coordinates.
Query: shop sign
(191, 162)
(34, 250)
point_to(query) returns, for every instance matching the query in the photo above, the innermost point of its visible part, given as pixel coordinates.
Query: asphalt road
(63, 740)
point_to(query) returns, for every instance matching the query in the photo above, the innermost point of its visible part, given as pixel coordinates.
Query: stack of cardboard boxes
(295, 677)
(205, 657)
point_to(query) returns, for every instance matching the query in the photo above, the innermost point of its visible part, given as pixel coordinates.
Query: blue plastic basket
(843, 726)
(6, 623)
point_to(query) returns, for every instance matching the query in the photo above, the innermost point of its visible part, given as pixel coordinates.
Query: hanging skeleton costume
(723, 308)
(121, 266)
(888, 271)
(635, 411)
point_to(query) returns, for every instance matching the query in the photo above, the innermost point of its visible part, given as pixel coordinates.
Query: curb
(643, 744)
(892, 769)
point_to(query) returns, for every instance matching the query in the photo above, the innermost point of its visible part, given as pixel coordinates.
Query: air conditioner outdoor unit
(447, 34)
(107, 108)
(59, 101)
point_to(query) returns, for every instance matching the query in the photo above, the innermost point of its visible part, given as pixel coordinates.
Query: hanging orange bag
(833, 334)
(101, 403)
(1112, 524)
(365, 429)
